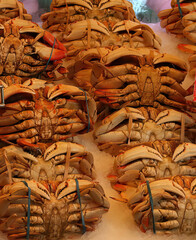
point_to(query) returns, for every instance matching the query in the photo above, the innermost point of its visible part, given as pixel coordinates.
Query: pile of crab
(48, 187)
(38, 123)
(181, 21)
(148, 128)
(65, 197)
(93, 24)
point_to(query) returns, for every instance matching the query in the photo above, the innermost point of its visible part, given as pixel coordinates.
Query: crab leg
(45, 52)
(16, 117)
(30, 133)
(18, 127)
(117, 82)
(90, 214)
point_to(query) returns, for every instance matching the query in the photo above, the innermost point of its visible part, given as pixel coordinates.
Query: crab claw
(49, 53)
(171, 115)
(184, 150)
(49, 38)
(138, 153)
(117, 117)
(168, 186)
(17, 89)
(61, 148)
(19, 188)
(35, 83)
(69, 187)
(62, 89)
(188, 48)
(22, 154)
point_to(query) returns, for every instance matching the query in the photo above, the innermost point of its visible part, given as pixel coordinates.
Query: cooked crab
(27, 50)
(152, 161)
(55, 210)
(173, 206)
(56, 162)
(46, 114)
(129, 127)
(130, 77)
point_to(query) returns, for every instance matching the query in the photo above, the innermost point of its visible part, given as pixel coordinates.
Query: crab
(13, 9)
(130, 77)
(82, 35)
(27, 50)
(46, 114)
(129, 127)
(136, 35)
(150, 162)
(55, 210)
(190, 48)
(173, 21)
(173, 206)
(107, 12)
(56, 162)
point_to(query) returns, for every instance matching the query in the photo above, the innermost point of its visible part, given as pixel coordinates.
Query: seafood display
(116, 84)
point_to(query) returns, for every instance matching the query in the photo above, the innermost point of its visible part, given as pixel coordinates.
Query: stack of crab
(90, 27)
(151, 134)
(86, 24)
(48, 186)
(148, 127)
(181, 21)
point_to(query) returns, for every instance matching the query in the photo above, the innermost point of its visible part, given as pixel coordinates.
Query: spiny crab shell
(13, 9)
(27, 50)
(130, 77)
(129, 126)
(174, 204)
(152, 161)
(47, 114)
(21, 164)
(55, 210)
